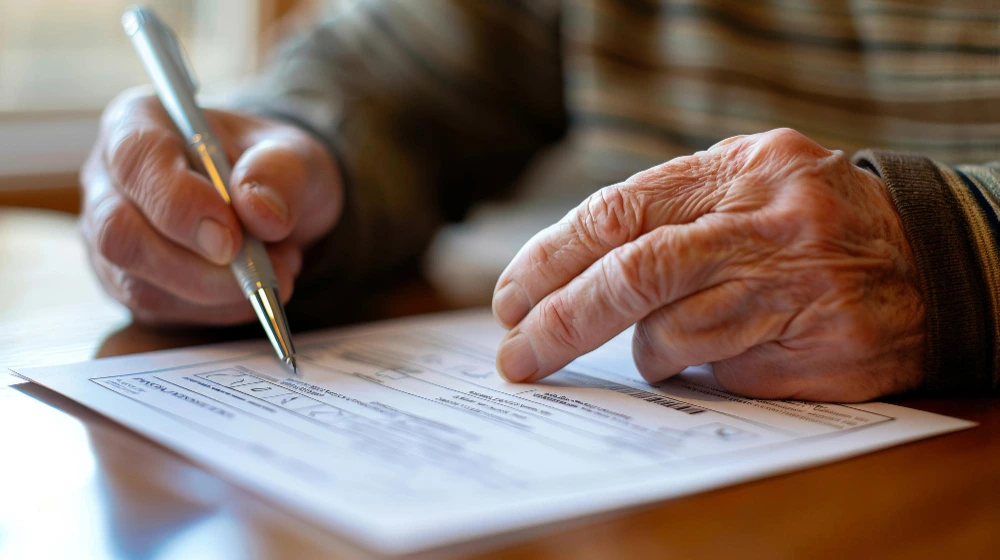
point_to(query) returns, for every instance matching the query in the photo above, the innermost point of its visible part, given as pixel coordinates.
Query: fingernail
(510, 305)
(215, 241)
(270, 199)
(516, 359)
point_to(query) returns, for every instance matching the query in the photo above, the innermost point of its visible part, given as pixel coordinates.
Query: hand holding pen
(160, 235)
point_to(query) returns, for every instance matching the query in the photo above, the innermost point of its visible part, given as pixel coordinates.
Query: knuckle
(125, 104)
(540, 258)
(140, 96)
(122, 151)
(683, 186)
(138, 296)
(787, 137)
(828, 170)
(627, 288)
(160, 194)
(165, 206)
(646, 353)
(118, 234)
(130, 149)
(129, 291)
(791, 141)
(678, 171)
(607, 218)
(661, 348)
(634, 273)
(92, 177)
(560, 326)
(838, 159)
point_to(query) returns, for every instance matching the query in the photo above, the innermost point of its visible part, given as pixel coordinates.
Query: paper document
(400, 435)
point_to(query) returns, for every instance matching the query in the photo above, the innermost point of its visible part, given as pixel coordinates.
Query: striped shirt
(433, 105)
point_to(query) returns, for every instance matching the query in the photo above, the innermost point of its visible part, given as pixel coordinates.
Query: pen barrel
(175, 86)
(252, 267)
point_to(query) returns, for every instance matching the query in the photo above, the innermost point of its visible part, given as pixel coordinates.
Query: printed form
(401, 436)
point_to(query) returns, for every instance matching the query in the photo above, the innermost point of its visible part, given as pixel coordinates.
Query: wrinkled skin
(160, 237)
(768, 256)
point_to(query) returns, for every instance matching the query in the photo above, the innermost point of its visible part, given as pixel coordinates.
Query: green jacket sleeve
(428, 106)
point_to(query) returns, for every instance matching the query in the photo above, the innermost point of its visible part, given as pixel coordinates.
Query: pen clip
(138, 15)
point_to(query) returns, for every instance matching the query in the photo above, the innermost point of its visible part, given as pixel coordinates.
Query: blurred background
(61, 61)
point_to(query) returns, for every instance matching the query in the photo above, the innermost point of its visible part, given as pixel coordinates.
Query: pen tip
(290, 362)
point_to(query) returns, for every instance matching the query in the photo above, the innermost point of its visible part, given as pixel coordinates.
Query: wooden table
(73, 484)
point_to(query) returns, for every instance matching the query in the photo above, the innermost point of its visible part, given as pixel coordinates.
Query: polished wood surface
(75, 485)
(47, 192)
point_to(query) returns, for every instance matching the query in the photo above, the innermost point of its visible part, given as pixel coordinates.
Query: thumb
(286, 187)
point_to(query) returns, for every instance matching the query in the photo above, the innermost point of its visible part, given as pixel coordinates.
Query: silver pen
(161, 56)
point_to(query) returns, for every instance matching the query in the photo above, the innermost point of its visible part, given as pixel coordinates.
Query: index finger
(677, 192)
(148, 163)
(629, 283)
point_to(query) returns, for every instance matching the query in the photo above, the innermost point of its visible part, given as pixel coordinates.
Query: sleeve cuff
(959, 356)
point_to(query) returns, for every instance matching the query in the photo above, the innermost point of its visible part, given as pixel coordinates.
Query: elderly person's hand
(768, 256)
(161, 238)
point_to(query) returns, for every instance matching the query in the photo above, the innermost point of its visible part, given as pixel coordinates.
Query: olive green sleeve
(428, 106)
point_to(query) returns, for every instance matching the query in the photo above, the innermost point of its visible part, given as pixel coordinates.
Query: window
(61, 61)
